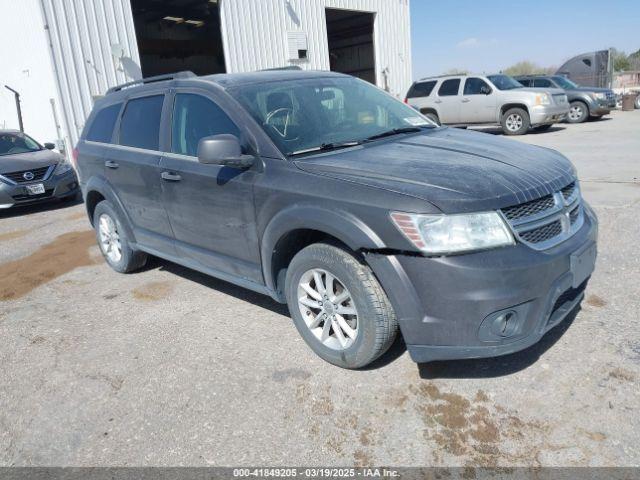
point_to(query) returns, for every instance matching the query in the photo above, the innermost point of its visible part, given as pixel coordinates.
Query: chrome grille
(33, 175)
(560, 98)
(549, 220)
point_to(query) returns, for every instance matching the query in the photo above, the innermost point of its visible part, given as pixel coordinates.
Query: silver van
(463, 100)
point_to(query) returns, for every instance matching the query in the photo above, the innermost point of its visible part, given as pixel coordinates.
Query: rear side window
(196, 117)
(476, 86)
(140, 124)
(421, 89)
(101, 129)
(542, 83)
(527, 82)
(449, 87)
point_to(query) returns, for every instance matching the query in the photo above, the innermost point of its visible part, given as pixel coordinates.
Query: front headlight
(543, 99)
(599, 96)
(441, 234)
(63, 167)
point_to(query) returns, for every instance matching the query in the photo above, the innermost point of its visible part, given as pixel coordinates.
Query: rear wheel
(113, 240)
(338, 306)
(637, 102)
(578, 112)
(515, 121)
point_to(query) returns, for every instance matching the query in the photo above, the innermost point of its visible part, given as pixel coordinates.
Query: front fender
(342, 225)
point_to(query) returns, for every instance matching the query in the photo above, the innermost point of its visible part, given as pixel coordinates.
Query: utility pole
(17, 97)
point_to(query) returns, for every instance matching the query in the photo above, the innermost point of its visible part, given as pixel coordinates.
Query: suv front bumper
(548, 114)
(55, 187)
(487, 303)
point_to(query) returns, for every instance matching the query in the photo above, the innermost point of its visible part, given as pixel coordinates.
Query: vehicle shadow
(498, 130)
(262, 301)
(40, 207)
(497, 366)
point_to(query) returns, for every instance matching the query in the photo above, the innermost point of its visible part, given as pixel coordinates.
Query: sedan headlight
(600, 96)
(441, 234)
(62, 167)
(543, 99)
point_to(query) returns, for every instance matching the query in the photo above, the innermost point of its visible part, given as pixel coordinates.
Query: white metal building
(61, 54)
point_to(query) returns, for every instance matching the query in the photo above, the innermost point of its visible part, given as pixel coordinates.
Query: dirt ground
(170, 367)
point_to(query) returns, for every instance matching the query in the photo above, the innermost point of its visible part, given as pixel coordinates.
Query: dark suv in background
(585, 102)
(326, 193)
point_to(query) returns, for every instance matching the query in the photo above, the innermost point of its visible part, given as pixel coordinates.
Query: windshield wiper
(325, 147)
(395, 131)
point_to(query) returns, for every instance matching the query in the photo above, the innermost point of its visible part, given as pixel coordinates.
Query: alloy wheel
(328, 309)
(576, 112)
(514, 122)
(110, 238)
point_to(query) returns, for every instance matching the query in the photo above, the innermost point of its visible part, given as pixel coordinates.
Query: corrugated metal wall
(81, 35)
(254, 32)
(255, 35)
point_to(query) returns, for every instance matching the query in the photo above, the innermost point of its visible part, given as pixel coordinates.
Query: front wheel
(515, 121)
(578, 112)
(338, 306)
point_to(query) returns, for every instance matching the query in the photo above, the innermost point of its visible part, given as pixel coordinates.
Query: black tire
(377, 325)
(637, 102)
(518, 116)
(130, 260)
(578, 112)
(433, 117)
(543, 128)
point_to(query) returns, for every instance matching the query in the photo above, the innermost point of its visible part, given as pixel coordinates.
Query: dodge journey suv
(325, 193)
(488, 100)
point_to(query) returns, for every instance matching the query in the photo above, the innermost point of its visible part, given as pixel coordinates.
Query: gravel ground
(169, 367)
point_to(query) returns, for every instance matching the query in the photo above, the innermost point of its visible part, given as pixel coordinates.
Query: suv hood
(591, 90)
(455, 170)
(27, 161)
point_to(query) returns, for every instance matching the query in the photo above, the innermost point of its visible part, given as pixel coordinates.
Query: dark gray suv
(584, 102)
(324, 192)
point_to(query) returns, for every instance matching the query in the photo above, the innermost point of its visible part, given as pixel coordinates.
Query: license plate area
(583, 263)
(37, 189)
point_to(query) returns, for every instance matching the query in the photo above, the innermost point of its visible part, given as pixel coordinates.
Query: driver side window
(196, 117)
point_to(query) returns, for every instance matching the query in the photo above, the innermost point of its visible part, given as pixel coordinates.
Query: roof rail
(158, 78)
(444, 75)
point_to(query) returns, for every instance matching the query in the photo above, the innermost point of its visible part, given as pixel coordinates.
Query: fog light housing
(504, 325)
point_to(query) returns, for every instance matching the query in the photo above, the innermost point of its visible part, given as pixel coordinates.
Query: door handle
(111, 164)
(437, 101)
(170, 176)
(465, 100)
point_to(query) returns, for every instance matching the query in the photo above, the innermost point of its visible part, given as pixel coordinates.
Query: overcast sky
(487, 36)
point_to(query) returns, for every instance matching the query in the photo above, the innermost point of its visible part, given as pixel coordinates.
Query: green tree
(620, 61)
(524, 68)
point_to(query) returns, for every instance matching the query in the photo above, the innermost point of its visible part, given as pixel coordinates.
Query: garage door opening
(351, 49)
(178, 35)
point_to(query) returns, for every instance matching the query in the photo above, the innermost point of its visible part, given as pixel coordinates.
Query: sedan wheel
(328, 309)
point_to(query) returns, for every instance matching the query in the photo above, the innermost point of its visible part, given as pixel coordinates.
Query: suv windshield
(13, 143)
(504, 82)
(302, 116)
(565, 83)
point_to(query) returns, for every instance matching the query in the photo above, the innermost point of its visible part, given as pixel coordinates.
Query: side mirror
(485, 90)
(223, 150)
(50, 146)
